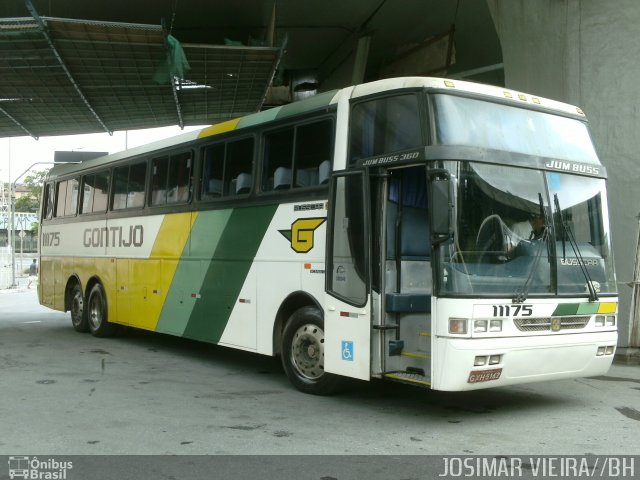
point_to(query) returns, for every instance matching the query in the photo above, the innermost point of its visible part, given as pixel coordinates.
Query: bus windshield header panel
(469, 122)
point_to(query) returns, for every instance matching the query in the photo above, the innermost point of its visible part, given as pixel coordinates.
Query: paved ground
(70, 393)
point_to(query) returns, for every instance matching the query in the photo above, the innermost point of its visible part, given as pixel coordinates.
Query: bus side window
(278, 157)
(87, 193)
(213, 172)
(95, 190)
(159, 175)
(128, 186)
(238, 171)
(384, 125)
(48, 203)
(100, 191)
(71, 204)
(61, 195)
(314, 145)
(179, 181)
(171, 179)
(135, 191)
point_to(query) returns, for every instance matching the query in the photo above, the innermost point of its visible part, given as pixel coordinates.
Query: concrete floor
(68, 393)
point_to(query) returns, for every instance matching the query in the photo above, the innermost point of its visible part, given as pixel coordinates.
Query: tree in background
(30, 201)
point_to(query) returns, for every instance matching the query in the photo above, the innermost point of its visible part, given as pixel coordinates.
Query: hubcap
(307, 351)
(77, 307)
(95, 313)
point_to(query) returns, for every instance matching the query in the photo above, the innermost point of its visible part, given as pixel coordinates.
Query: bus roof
(324, 100)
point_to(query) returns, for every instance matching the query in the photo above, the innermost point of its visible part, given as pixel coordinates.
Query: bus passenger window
(159, 174)
(100, 191)
(278, 157)
(128, 186)
(61, 195)
(94, 192)
(212, 172)
(87, 194)
(48, 205)
(71, 203)
(135, 191)
(179, 181)
(171, 179)
(314, 146)
(238, 178)
(67, 197)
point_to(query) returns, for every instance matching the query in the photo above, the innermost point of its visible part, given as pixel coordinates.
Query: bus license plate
(484, 375)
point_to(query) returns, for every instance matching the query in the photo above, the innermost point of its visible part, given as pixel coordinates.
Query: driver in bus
(531, 229)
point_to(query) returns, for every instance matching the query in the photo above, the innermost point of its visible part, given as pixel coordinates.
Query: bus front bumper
(519, 359)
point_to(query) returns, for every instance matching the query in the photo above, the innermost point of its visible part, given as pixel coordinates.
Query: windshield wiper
(593, 295)
(520, 295)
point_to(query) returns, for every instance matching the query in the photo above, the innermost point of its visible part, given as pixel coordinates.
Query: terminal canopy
(62, 76)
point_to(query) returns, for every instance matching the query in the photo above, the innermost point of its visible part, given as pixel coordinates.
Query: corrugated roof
(61, 76)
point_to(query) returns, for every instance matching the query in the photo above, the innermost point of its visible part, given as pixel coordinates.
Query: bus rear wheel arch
(98, 313)
(302, 353)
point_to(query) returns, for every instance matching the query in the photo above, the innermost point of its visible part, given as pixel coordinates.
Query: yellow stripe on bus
(607, 307)
(219, 128)
(153, 276)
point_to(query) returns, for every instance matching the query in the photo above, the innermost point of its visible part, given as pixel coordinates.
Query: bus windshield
(509, 237)
(475, 123)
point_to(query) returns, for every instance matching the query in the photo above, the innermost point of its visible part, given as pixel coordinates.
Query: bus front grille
(544, 323)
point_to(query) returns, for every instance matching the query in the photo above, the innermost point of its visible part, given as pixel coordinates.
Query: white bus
(442, 233)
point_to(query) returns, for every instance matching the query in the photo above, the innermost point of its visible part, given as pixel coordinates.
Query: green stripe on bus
(566, 309)
(588, 308)
(576, 309)
(203, 241)
(227, 272)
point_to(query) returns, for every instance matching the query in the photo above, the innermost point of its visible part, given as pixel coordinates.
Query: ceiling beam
(54, 50)
(177, 102)
(22, 127)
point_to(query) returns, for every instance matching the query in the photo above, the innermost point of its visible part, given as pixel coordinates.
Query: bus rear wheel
(98, 313)
(303, 353)
(78, 312)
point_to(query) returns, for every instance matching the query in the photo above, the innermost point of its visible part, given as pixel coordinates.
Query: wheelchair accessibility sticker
(347, 351)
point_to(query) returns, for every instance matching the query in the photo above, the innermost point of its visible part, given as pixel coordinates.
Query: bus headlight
(458, 326)
(480, 326)
(610, 321)
(479, 361)
(495, 359)
(495, 326)
(600, 321)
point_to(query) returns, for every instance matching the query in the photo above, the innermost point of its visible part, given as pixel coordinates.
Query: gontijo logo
(301, 234)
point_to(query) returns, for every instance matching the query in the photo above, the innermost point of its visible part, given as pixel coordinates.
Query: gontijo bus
(423, 230)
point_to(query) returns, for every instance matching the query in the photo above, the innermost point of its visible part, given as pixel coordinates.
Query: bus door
(347, 322)
(402, 333)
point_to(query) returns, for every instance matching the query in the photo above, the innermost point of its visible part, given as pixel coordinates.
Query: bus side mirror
(441, 207)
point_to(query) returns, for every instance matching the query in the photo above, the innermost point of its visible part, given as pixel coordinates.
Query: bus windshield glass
(509, 238)
(476, 123)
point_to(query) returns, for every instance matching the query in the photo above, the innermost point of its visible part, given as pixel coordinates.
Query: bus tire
(97, 313)
(303, 353)
(78, 310)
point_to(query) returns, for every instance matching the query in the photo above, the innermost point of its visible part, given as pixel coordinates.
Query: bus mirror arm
(441, 207)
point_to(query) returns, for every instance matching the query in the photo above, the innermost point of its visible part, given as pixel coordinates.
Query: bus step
(421, 355)
(405, 377)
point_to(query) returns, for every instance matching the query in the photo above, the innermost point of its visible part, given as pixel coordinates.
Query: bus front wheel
(303, 353)
(98, 313)
(78, 312)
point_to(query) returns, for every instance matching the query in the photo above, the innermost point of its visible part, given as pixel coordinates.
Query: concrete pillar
(585, 52)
